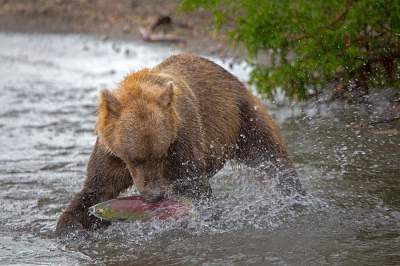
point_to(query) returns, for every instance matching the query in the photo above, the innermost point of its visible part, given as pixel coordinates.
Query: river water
(49, 86)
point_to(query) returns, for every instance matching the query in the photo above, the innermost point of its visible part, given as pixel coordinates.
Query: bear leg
(261, 146)
(107, 176)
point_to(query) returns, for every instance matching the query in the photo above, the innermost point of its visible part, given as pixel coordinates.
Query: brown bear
(169, 129)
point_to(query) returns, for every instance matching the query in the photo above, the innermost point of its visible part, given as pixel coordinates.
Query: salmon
(136, 208)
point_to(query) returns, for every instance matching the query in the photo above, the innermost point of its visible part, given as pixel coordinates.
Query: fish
(136, 208)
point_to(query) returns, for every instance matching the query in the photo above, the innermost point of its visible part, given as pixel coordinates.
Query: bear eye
(136, 161)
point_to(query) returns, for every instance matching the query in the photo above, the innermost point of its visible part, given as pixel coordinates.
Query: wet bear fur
(170, 128)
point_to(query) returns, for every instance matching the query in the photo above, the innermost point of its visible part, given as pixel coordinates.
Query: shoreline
(117, 21)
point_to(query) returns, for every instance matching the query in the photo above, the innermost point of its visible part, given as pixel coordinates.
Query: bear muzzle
(153, 193)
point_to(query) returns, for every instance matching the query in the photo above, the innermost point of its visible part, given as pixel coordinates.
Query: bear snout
(153, 197)
(153, 194)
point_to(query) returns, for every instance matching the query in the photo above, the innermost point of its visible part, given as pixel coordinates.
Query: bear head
(138, 123)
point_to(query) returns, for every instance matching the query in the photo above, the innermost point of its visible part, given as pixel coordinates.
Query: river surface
(49, 85)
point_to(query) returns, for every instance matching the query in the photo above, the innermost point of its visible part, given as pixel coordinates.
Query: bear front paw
(68, 223)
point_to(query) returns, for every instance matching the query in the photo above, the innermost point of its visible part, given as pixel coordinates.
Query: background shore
(119, 20)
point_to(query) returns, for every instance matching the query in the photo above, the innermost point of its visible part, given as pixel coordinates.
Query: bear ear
(109, 103)
(166, 96)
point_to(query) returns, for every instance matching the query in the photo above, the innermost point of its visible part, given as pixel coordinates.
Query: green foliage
(312, 43)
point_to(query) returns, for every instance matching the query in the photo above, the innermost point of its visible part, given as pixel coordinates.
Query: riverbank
(120, 20)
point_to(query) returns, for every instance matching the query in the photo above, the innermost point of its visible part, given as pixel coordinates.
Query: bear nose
(153, 197)
(153, 192)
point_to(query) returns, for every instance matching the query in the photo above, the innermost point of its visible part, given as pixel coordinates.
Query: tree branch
(338, 18)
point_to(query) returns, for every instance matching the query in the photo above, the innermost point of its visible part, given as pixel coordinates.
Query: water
(49, 86)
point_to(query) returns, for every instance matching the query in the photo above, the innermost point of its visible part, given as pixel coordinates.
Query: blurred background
(328, 71)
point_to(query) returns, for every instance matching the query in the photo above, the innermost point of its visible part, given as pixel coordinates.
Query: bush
(311, 44)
